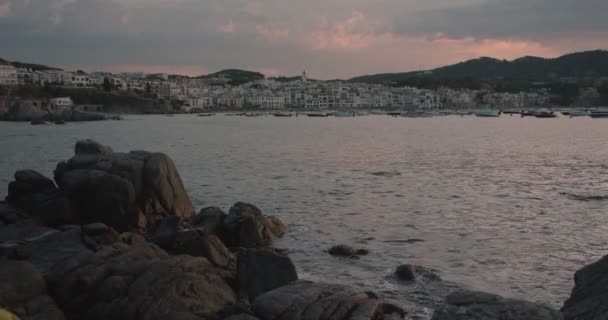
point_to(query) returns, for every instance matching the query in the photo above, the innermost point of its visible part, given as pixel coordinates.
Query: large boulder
(23, 292)
(39, 197)
(263, 269)
(589, 298)
(471, 305)
(198, 243)
(127, 191)
(211, 219)
(137, 283)
(303, 300)
(246, 226)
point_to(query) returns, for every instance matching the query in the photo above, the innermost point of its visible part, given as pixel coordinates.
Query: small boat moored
(488, 114)
(281, 114)
(600, 113)
(544, 113)
(317, 114)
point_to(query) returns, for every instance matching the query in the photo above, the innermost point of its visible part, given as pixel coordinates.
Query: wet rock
(127, 191)
(97, 235)
(246, 226)
(470, 305)
(589, 297)
(261, 270)
(23, 292)
(344, 250)
(89, 146)
(211, 219)
(138, 282)
(406, 272)
(303, 300)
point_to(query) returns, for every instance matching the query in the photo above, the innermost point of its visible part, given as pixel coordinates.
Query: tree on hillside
(107, 85)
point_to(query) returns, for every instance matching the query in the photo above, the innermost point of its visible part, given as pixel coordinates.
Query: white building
(8, 75)
(61, 103)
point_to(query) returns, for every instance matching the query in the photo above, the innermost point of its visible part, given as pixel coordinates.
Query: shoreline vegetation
(115, 236)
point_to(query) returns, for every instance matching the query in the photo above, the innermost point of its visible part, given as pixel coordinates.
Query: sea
(509, 205)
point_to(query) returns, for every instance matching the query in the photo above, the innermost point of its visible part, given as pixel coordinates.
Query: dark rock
(470, 305)
(89, 146)
(589, 297)
(406, 272)
(38, 195)
(343, 250)
(47, 249)
(166, 232)
(303, 300)
(261, 270)
(23, 291)
(138, 282)
(243, 316)
(97, 235)
(127, 191)
(10, 214)
(246, 226)
(132, 238)
(211, 219)
(197, 243)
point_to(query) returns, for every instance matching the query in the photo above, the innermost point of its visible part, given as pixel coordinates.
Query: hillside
(589, 64)
(235, 76)
(33, 66)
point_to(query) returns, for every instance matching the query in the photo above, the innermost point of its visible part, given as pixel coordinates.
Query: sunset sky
(327, 38)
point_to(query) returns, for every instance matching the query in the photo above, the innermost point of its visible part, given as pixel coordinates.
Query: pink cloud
(5, 9)
(228, 27)
(272, 33)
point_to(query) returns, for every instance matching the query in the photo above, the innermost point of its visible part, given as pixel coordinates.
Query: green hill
(589, 64)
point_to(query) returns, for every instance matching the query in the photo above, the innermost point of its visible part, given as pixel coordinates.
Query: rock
(261, 270)
(303, 300)
(343, 250)
(89, 146)
(46, 249)
(132, 239)
(138, 282)
(242, 317)
(589, 297)
(10, 214)
(97, 235)
(197, 243)
(127, 191)
(38, 195)
(23, 291)
(211, 219)
(470, 305)
(166, 232)
(246, 226)
(406, 272)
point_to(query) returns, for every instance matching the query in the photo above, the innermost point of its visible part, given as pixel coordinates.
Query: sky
(327, 38)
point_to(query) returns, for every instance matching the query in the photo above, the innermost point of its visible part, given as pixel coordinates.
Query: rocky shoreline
(115, 236)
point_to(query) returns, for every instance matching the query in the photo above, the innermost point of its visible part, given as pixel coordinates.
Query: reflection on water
(508, 205)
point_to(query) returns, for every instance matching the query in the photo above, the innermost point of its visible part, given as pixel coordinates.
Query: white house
(61, 103)
(8, 75)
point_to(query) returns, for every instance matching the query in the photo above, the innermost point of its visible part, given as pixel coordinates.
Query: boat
(343, 114)
(600, 113)
(578, 113)
(317, 114)
(361, 113)
(488, 114)
(281, 114)
(394, 113)
(417, 114)
(59, 122)
(526, 113)
(253, 114)
(544, 113)
(206, 114)
(511, 112)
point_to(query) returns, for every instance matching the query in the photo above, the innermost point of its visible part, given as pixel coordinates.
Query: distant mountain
(235, 76)
(588, 64)
(33, 66)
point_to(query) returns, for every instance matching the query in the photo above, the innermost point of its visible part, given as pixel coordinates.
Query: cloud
(328, 38)
(520, 19)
